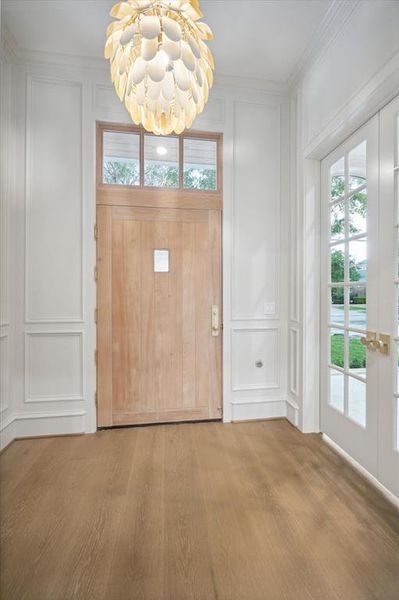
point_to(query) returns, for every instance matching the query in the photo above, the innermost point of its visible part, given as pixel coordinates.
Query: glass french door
(360, 284)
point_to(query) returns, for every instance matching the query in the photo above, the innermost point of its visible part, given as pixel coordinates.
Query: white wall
(355, 73)
(58, 105)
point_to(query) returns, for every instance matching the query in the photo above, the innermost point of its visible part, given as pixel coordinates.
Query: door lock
(379, 342)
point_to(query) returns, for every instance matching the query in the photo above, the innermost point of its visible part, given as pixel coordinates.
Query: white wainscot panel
(256, 218)
(255, 359)
(53, 366)
(4, 373)
(54, 290)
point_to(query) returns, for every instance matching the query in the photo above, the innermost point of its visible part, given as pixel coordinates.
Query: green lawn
(357, 352)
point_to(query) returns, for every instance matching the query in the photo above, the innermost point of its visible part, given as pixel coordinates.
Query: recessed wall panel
(54, 202)
(255, 359)
(256, 228)
(53, 366)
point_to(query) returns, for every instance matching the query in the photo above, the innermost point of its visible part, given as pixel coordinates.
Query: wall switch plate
(269, 308)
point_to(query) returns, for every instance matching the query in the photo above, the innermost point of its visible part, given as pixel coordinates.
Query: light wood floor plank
(205, 511)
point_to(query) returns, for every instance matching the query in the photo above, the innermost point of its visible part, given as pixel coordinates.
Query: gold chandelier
(160, 65)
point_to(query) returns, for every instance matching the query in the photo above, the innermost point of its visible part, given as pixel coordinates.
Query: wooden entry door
(159, 275)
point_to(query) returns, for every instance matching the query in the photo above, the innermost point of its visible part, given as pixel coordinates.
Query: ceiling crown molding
(334, 20)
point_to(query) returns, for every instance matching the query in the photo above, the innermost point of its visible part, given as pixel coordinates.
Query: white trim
(258, 408)
(391, 497)
(334, 20)
(32, 425)
(359, 108)
(292, 411)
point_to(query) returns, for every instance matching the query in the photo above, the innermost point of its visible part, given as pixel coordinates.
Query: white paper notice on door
(161, 261)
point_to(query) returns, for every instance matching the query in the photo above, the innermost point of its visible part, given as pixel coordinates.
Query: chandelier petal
(161, 66)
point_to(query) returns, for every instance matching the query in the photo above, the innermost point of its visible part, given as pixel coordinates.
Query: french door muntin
(349, 373)
(360, 395)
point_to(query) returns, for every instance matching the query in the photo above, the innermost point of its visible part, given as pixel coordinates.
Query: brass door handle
(215, 320)
(369, 340)
(376, 342)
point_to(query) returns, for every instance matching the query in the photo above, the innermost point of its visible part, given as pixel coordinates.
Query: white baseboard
(41, 424)
(292, 412)
(391, 497)
(247, 410)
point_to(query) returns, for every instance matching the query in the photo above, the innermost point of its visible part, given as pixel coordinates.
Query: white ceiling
(262, 39)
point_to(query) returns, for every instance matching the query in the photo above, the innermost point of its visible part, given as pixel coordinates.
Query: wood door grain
(157, 358)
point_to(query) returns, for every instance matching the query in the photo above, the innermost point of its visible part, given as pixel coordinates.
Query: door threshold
(134, 425)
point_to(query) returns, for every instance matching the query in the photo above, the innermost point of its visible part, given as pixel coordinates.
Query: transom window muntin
(131, 158)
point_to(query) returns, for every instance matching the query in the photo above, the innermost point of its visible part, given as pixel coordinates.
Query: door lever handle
(376, 342)
(215, 320)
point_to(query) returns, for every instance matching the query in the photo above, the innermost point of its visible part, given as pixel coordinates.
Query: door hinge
(96, 357)
(95, 274)
(95, 315)
(95, 398)
(95, 232)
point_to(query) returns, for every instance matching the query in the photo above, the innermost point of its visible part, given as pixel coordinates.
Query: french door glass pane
(358, 212)
(356, 354)
(358, 260)
(161, 161)
(337, 214)
(337, 313)
(337, 347)
(337, 179)
(337, 263)
(358, 307)
(357, 401)
(337, 394)
(121, 162)
(357, 166)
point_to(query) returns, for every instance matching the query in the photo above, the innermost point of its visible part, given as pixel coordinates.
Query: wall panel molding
(260, 205)
(245, 352)
(49, 363)
(51, 284)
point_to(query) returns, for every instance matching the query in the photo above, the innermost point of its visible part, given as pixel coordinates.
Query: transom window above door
(133, 158)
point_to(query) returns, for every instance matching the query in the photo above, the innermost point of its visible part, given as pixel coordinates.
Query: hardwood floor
(250, 511)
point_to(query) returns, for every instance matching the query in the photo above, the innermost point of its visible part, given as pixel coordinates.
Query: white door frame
(368, 102)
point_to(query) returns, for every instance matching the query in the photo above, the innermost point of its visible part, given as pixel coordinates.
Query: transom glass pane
(200, 160)
(161, 161)
(121, 162)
